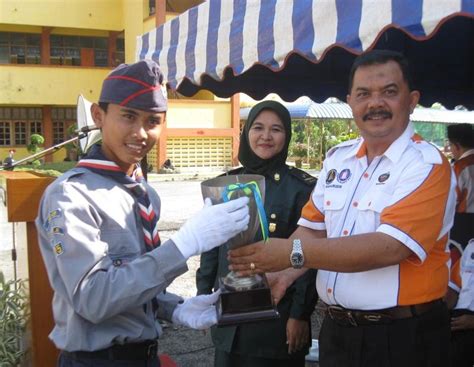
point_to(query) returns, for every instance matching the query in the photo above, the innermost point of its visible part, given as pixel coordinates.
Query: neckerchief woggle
(250, 188)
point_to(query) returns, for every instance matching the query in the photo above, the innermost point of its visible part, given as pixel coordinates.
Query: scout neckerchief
(95, 161)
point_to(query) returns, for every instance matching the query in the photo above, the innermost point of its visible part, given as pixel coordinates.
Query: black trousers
(421, 341)
(462, 344)
(224, 359)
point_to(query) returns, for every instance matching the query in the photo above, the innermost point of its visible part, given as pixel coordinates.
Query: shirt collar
(394, 151)
(467, 153)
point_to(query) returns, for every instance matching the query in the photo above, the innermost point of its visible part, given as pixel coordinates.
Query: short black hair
(462, 134)
(376, 57)
(104, 106)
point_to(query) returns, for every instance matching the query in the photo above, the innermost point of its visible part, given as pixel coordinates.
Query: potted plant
(36, 140)
(299, 151)
(13, 320)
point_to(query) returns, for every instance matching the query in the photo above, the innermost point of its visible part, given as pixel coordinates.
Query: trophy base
(243, 306)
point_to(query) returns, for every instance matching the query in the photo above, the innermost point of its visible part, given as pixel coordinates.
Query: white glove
(212, 226)
(197, 312)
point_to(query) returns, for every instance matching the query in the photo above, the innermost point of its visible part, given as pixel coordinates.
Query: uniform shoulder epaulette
(430, 153)
(346, 143)
(302, 176)
(234, 171)
(76, 171)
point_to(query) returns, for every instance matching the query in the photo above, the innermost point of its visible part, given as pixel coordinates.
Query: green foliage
(13, 320)
(49, 169)
(432, 132)
(35, 141)
(299, 150)
(312, 138)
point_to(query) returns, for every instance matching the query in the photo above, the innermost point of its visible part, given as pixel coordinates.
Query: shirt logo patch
(52, 215)
(384, 177)
(344, 175)
(331, 176)
(57, 230)
(58, 248)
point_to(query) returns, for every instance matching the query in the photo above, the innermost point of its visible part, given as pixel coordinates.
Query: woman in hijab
(285, 341)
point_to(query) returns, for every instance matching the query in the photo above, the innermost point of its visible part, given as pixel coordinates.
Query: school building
(53, 50)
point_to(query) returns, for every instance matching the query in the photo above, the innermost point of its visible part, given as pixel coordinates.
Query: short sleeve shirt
(464, 170)
(408, 194)
(462, 278)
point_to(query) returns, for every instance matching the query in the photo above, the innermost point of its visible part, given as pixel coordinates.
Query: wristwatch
(296, 256)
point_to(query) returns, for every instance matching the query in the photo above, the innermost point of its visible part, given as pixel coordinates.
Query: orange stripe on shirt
(421, 215)
(458, 167)
(311, 213)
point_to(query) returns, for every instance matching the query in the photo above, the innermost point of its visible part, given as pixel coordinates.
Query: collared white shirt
(462, 280)
(464, 170)
(407, 193)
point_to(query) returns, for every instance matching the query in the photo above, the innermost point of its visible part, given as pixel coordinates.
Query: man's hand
(462, 322)
(261, 257)
(278, 283)
(197, 312)
(297, 334)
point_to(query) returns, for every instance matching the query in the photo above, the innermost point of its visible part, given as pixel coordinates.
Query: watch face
(297, 258)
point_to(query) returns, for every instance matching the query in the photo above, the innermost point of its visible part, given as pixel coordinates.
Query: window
(62, 118)
(119, 52)
(17, 124)
(20, 133)
(68, 50)
(20, 48)
(4, 133)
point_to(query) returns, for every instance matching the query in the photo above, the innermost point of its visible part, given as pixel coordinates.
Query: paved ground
(181, 198)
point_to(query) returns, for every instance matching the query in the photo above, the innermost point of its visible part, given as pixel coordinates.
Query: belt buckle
(351, 318)
(338, 313)
(152, 349)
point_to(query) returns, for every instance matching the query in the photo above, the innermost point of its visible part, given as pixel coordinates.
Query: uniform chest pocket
(334, 201)
(374, 201)
(369, 211)
(122, 247)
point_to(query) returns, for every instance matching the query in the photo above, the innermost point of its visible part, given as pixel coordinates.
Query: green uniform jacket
(287, 189)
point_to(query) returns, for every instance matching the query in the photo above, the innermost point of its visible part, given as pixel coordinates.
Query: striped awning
(341, 110)
(306, 47)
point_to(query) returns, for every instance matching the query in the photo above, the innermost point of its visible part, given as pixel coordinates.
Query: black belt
(346, 317)
(125, 352)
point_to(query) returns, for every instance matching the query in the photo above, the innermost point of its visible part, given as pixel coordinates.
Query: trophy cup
(242, 299)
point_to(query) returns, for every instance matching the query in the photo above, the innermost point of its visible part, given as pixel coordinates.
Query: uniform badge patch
(384, 177)
(58, 248)
(331, 176)
(57, 230)
(56, 213)
(344, 175)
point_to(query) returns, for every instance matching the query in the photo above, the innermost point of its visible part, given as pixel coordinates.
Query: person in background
(377, 228)
(98, 233)
(460, 299)
(461, 144)
(282, 342)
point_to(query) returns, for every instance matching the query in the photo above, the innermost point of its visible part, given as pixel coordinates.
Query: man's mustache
(380, 113)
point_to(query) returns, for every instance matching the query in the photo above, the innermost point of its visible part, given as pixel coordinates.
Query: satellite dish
(89, 133)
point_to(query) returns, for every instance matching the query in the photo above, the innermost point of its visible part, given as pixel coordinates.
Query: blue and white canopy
(306, 47)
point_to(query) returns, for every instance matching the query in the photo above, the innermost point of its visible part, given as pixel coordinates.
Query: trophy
(242, 299)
